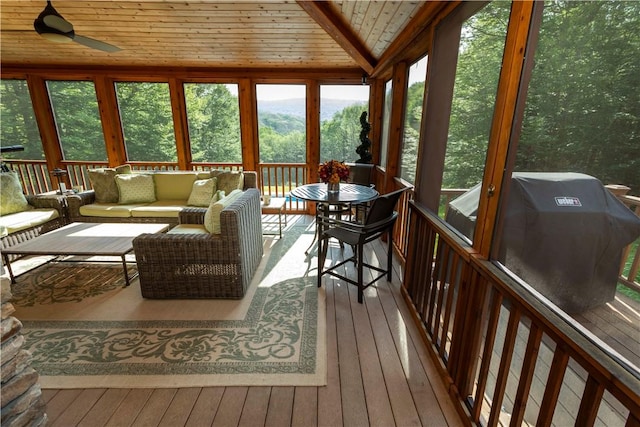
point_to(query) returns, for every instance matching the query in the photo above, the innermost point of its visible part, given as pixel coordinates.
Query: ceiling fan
(52, 26)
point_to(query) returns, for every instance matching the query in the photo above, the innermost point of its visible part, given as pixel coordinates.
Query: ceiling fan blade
(58, 23)
(95, 44)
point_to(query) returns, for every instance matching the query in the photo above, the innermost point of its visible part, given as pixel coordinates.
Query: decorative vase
(333, 187)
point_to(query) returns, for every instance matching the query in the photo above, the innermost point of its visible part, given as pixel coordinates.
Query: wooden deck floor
(379, 373)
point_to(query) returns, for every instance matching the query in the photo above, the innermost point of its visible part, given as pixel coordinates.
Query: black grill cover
(563, 234)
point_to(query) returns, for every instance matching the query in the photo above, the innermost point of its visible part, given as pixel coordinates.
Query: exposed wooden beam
(336, 27)
(418, 24)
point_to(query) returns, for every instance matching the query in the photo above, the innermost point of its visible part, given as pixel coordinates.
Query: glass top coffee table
(85, 239)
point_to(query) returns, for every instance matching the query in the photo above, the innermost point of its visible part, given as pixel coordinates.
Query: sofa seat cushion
(161, 208)
(188, 229)
(212, 216)
(111, 210)
(174, 185)
(12, 199)
(26, 219)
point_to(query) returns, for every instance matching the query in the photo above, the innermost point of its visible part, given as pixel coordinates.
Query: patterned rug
(85, 330)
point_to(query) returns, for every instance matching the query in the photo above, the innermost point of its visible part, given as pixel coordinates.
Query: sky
(271, 92)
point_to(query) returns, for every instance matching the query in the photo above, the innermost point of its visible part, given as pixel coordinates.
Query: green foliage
(583, 105)
(479, 61)
(339, 136)
(147, 121)
(583, 110)
(282, 123)
(18, 122)
(214, 123)
(411, 139)
(79, 128)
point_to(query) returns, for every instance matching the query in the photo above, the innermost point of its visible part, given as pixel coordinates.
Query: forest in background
(582, 112)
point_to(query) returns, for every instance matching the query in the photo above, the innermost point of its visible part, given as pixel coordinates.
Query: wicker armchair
(204, 265)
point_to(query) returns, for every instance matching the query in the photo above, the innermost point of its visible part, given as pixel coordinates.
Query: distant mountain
(296, 107)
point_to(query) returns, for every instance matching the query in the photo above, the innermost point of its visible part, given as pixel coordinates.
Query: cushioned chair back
(382, 207)
(361, 173)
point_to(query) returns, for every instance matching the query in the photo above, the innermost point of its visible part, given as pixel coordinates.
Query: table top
(84, 238)
(349, 193)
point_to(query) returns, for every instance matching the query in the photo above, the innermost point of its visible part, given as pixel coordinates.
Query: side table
(61, 199)
(276, 206)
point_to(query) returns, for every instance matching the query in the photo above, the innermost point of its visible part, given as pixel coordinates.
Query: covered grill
(563, 234)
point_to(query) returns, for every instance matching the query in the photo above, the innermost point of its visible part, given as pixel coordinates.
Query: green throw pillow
(104, 184)
(135, 188)
(229, 181)
(12, 199)
(202, 192)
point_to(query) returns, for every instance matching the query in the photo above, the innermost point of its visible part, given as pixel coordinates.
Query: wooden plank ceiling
(207, 33)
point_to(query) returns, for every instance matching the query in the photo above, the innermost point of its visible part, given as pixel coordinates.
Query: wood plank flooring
(379, 374)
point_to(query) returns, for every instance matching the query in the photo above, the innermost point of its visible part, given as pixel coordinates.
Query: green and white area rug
(85, 330)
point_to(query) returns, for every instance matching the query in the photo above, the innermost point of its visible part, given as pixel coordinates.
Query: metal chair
(380, 219)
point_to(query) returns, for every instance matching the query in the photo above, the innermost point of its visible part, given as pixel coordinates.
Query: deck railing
(508, 358)
(278, 179)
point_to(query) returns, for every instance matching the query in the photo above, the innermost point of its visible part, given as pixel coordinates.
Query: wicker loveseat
(25, 217)
(191, 262)
(171, 193)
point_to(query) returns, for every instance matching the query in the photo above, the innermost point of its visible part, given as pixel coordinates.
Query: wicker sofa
(191, 262)
(172, 191)
(29, 216)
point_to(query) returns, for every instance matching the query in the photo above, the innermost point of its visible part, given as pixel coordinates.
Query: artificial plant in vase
(365, 142)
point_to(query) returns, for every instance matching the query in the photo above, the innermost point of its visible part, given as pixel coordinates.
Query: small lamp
(59, 174)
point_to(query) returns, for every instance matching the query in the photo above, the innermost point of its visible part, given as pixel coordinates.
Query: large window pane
(147, 123)
(79, 128)
(214, 122)
(386, 117)
(19, 125)
(580, 130)
(340, 109)
(282, 123)
(480, 50)
(412, 120)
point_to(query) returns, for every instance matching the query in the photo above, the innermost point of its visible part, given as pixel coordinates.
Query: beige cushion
(160, 208)
(124, 169)
(188, 229)
(104, 184)
(173, 185)
(202, 192)
(228, 181)
(12, 199)
(111, 210)
(212, 216)
(22, 220)
(135, 188)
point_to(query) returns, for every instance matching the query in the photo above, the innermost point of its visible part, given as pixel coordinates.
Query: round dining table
(348, 194)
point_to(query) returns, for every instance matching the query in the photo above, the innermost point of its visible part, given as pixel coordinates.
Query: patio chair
(380, 219)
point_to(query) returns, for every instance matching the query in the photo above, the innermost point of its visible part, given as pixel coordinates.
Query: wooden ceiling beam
(418, 24)
(340, 31)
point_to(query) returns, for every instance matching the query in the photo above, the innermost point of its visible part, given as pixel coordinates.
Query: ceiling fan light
(55, 37)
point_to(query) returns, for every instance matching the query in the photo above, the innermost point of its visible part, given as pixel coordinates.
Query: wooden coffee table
(85, 239)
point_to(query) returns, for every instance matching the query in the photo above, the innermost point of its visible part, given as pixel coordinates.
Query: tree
(147, 122)
(18, 122)
(339, 135)
(214, 123)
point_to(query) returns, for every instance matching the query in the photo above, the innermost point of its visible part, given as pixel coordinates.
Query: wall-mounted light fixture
(364, 79)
